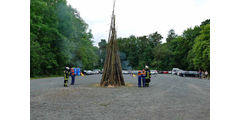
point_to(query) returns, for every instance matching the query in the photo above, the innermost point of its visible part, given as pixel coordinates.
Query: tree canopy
(59, 37)
(189, 51)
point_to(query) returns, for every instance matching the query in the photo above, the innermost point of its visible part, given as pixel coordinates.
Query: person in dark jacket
(200, 73)
(148, 76)
(66, 76)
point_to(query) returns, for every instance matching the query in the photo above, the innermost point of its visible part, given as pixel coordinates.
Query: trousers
(144, 81)
(73, 79)
(147, 82)
(65, 83)
(139, 81)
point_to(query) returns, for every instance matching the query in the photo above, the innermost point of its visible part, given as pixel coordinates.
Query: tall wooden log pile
(112, 71)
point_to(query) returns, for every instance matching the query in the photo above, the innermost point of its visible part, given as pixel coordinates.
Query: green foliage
(171, 35)
(58, 37)
(102, 51)
(162, 57)
(139, 51)
(201, 49)
(189, 51)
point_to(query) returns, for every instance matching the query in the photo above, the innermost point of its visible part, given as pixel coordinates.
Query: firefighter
(148, 76)
(139, 78)
(73, 76)
(66, 76)
(144, 77)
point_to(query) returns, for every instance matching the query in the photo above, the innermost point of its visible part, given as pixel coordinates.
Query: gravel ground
(169, 97)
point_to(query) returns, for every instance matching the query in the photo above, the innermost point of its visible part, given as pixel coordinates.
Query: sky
(141, 17)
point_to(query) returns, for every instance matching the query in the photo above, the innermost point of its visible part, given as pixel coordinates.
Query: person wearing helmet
(148, 76)
(66, 76)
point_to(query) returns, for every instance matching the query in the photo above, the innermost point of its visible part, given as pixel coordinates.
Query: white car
(125, 72)
(154, 72)
(175, 70)
(89, 72)
(95, 71)
(181, 73)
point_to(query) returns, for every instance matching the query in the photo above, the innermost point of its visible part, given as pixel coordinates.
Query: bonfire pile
(112, 73)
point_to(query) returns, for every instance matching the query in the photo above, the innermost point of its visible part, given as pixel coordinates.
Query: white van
(175, 70)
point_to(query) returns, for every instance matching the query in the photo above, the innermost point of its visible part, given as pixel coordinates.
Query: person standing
(143, 78)
(66, 76)
(73, 76)
(206, 73)
(148, 76)
(139, 78)
(200, 73)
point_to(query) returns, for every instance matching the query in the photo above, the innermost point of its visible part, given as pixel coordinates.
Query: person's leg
(73, 79)
(147, 82)
(139, 81)
(144, 82)
(65, 83)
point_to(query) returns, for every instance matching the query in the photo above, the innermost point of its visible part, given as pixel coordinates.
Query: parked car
(169, 72)
(192, 74)
(96, 71)
(125, 72)
(89, 72)
(181, 73)
(175, 70)
(188, 73)
(153, 72)
(134, 72)
(165, 72)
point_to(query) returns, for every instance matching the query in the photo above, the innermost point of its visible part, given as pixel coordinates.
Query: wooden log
(112, 73)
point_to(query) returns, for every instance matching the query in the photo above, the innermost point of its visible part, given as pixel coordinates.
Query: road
(169, 97)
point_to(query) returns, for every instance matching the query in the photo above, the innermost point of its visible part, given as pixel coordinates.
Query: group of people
(203, 74)
(144, 77)
(67, 73)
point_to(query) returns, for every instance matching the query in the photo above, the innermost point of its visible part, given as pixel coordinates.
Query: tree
(155, 39)
(102, 49)
(58, 37)
(138, 51)
(201, 49)
(171, 35)
(162, 57)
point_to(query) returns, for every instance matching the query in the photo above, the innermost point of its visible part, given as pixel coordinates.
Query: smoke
(79, 63)
(71, 33)
(125, 65)
(124, 61)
